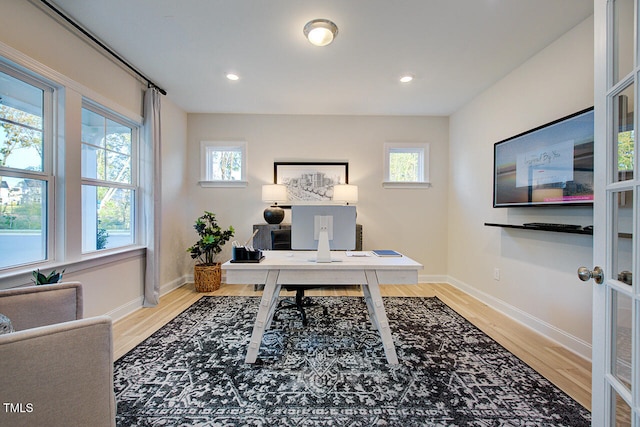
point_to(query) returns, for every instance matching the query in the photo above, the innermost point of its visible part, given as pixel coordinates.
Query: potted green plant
(41, 279)
(207, 274)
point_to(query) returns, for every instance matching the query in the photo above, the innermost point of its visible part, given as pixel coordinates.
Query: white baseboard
(132, 306)
(570, 342)
(125, 309)
(174, 284)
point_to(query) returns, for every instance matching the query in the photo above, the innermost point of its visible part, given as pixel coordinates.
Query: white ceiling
(455, 49)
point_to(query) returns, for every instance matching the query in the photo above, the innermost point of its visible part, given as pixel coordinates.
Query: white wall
(413, 221)
(538, 283)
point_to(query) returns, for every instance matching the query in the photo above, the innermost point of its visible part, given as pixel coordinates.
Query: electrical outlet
(496, 274)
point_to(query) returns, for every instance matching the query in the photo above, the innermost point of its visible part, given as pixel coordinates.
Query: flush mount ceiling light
(233, 77)
(406, 78)
(320, 32)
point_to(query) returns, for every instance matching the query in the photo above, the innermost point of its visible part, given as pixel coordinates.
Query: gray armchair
(56, 369)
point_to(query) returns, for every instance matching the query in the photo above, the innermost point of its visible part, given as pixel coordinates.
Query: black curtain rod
(102, 45)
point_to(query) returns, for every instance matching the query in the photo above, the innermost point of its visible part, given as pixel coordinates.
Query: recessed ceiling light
(233, 77)
(320, 32)
(406, 78)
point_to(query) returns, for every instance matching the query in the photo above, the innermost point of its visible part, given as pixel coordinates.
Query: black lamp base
(274, 215)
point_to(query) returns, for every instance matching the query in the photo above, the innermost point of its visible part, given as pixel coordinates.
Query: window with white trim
(406, 164)
(109, 179)
(26, 178)
(223, 163)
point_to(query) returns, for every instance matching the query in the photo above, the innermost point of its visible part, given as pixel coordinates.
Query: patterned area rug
(332, 372)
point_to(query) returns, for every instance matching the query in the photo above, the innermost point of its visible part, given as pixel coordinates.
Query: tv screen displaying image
(549, 165)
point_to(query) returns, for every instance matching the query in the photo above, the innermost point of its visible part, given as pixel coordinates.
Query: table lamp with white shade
(346, 193)
(274, 194)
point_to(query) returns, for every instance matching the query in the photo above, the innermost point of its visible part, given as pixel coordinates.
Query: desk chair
(281, 241)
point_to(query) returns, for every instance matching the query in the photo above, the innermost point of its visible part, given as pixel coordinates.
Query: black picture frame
(310, 182)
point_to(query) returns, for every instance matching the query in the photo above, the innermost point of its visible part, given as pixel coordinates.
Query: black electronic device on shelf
(551, 226)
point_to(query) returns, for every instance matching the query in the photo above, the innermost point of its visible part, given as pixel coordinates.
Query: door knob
(597, 274)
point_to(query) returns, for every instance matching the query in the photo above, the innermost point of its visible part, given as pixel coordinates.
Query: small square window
(406, 165)
(223, 163)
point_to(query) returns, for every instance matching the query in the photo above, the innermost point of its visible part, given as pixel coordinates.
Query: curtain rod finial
(151, 85)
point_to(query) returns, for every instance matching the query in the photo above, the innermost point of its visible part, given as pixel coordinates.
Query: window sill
(116, 254)
(395, 184)
(23, 276)
(229, 184)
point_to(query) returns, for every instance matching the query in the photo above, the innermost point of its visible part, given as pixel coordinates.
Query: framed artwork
(310, 182)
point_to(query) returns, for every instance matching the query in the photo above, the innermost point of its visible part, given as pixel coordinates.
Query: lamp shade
(274, 193)
(345, 193)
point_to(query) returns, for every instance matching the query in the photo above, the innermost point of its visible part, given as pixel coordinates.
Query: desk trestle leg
(264, 316)
(372, 314)
(273, 305)
(381, 320)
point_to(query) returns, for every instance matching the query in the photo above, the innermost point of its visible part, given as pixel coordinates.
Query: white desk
(295, 268)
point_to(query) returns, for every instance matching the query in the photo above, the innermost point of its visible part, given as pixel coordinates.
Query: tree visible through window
(22, 135)
(406, 163)
(405, 166)
(25, 172)
(626, 149)
(223, 163)
(108, 181)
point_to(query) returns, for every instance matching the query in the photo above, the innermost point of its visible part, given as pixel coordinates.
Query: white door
(616, 301)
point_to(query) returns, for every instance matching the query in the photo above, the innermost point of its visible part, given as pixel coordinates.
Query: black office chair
(281, 241)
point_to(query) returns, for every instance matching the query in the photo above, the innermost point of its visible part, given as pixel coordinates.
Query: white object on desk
(357, 253)
(293, 267)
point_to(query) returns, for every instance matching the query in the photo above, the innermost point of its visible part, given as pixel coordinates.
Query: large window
(109, 180)
(26, 188)
(43, 188)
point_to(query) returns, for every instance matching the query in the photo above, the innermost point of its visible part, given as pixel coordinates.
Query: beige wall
(113, 284)
(412, 221)
(442, 227)
(174, 267)
(28, 29)
(538, 283)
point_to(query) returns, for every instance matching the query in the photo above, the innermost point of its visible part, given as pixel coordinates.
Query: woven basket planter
(207, 277)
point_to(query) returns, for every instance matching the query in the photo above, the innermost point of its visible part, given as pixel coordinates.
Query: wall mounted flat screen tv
(549, 165)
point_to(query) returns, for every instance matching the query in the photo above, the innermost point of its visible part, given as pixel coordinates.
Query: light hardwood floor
(569, 372)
